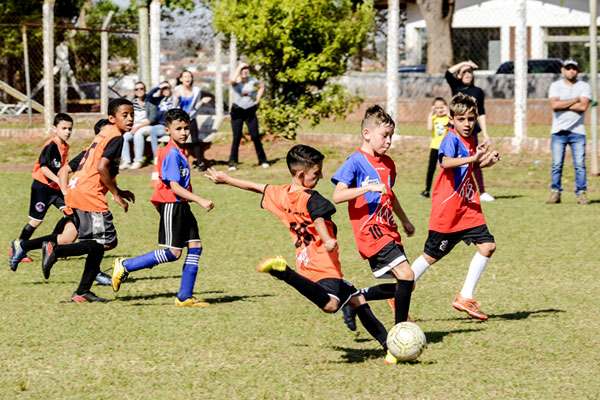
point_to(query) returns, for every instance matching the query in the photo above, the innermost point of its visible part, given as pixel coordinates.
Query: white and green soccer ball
(406, 341)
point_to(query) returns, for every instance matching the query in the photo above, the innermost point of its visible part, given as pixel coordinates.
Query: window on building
(482, 45)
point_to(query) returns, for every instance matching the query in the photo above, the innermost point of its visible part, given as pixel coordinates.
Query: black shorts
(178, 225)
(42, 197)
(439, 244)
(97, 226)
(340, 289)
(387, 258)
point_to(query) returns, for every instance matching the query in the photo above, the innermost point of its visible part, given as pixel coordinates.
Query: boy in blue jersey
(178, 226)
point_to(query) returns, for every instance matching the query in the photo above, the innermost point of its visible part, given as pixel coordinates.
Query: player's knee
(111, 245)
(332, 306)
(35, 223)
(174, 255)
(356, 301)
(403, 272)
(487, 249)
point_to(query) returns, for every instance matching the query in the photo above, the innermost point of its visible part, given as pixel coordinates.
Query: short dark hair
(176, 114)
(100, 124)
(376, 116)
(303, 157)
(439, 99)
(462, 104)
(62, 117)
(138, 82)
(114, 105)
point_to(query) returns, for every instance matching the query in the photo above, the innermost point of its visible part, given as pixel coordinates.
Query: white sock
(476, 268)
(419, 267)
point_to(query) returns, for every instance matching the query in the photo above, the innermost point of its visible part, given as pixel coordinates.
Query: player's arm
(490, 159)
(49, 174)
(408, 227)
(220, 177)
(483, 125)
(581, 106)
(480, 154)
(321, 227)
(119, 195)
(562, 105)
(186, 194)
(63, 178)
(344, 193)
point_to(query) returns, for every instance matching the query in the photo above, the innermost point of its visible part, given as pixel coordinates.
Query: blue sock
(188, 276)
(149, 260)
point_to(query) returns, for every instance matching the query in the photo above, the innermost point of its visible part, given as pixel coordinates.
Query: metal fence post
(154, 43)
(104, 64)
(392, 58)
(232, 64)
(218, 79)
(594, 84)
(48, 12)
(27, 77)
(520, 75)
(144, 43)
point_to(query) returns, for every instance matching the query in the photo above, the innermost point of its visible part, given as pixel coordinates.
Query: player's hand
(127, 195)
(494, 157)
(378, 187)
(218, 177)
(480, 152)
(331, 245)
(207, 204)
(119, 200)
(409, 228)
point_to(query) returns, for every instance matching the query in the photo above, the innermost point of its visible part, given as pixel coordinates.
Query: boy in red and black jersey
(45, 190)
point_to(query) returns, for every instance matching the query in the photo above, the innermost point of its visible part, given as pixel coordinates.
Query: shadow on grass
(508, 196)
(153, 278)
(524, 314)
(353, 356)
(438, 336)
(171, 295)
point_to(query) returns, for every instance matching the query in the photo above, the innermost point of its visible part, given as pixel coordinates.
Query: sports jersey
(172, 167)
(54, 156)
(371, 215)
(455, 204)
(440, 127)
(298, 210)
(86, 191)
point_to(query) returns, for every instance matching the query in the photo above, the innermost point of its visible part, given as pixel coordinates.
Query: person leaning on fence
(569, 100)
(464, 82)
(163, 98)
(247, 92)
(144, 114)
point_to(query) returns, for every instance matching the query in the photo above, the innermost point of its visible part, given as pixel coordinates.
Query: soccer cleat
(103, 279)
(265, 165)
(349, 317)
(277, 263)
(88, 297)
(27, 259)
(554, 197)
(469, 306)
(119, 274)
(232, 167)
(48, 258)
(425, 194)
(392, 303)
(582, 198)
(191, 302)
(16, 254)
(485, 196)
(390, 359)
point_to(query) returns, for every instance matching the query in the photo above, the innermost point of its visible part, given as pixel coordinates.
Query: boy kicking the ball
(308, 216)
(456, 209)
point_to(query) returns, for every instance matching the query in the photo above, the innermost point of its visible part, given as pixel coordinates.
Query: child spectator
(178, 226)
(437, 123)
(308, 216)
(45, 189)
(86, 198)
(456, 210)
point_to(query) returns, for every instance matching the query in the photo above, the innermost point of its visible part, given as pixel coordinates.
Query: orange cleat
(469, 306)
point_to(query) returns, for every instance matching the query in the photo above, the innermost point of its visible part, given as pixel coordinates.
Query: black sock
(372, 324)
(402, 299)
(36, 243)
(379, 292)
(92, 266)
(306, 287)
(76, 249)
(27, 232)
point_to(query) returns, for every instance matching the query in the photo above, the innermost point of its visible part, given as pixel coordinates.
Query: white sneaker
(486, 197)
(124, 166)
(136, 165)
(265, 165)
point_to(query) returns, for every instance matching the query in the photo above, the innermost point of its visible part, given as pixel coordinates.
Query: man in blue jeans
(569, 100)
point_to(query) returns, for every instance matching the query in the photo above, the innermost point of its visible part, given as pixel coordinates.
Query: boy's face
(63, 130)
(464, 124)
(310, 177)
(439, 108)
(123, 118)
(379, 138)
(178, 131)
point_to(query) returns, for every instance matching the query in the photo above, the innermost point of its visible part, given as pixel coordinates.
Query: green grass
(262, 340)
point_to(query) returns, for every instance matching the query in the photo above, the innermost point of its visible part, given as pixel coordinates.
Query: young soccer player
(308, 216)
(45, 190)
(437, 123)
(178, 226)
(365, 181)
(456, 209)
(86, 197)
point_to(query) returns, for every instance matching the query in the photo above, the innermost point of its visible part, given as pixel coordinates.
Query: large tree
(299, 46)
(438, 19)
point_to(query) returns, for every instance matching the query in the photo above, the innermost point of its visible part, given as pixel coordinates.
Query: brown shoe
(554, 197)
(581, 198)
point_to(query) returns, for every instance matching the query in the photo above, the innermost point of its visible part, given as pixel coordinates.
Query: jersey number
(85, 156)
(303, 235)
(375, 231)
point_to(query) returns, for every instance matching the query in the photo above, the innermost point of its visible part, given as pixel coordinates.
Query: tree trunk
(438, 19)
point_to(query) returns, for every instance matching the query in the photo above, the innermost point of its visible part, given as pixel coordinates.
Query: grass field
(260, 339)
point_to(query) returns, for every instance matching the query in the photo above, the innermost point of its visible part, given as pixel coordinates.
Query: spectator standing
(144, 114)
(461, 79)
(569, 100)
(247, 92)
(163, 98)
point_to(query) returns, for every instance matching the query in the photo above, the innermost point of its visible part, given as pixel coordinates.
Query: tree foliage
(299, 46)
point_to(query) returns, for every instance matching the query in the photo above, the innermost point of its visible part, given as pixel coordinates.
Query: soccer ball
(406, 341)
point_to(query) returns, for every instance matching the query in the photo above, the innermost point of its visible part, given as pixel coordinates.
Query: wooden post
(48, 24)
(27, 77)
(104, 64)
(144, 48)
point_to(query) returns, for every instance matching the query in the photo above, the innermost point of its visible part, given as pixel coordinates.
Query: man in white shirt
(569, 100)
